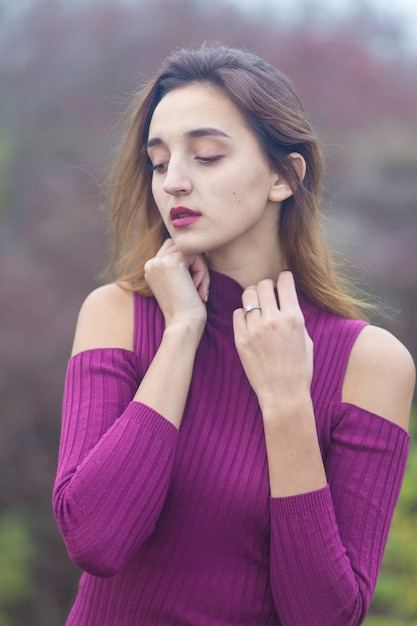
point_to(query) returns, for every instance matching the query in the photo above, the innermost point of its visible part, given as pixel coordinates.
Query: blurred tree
(66, 69)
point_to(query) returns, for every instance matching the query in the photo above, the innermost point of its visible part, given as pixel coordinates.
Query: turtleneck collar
(226, 295)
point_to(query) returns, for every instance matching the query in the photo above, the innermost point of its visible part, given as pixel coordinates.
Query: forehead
(194, 106)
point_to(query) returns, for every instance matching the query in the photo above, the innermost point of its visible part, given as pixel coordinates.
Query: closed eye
(208, 160)
(161, 168)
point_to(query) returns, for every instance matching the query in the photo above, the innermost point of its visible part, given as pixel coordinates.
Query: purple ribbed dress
(178, 527)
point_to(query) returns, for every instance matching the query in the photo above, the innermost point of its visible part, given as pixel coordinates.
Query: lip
(182, 216)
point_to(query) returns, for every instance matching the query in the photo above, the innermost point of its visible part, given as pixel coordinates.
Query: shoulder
(106, 319)
(380, 375)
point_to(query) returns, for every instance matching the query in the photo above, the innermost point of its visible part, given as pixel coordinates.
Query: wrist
(184, 334)
(286, 405)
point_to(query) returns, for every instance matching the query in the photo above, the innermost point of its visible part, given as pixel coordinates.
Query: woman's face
(211, 182)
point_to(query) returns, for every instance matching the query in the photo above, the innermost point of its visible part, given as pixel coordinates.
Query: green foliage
(395, 595)
(16, 556)
(388, 621)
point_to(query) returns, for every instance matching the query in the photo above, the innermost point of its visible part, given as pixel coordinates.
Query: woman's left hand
(272, 342)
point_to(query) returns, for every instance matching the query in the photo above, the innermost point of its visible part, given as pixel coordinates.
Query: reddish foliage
(64, 69)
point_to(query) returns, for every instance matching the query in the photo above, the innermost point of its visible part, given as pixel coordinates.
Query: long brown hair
(275, 114)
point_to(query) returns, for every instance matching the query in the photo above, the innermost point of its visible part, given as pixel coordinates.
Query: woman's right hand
(180, 285)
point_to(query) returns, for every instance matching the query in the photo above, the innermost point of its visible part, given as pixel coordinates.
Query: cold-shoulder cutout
(105, 320)
(124, 353)
(380, 376)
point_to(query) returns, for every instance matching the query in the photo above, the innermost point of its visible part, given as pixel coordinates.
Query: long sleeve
(178, 526)
(115, 462)
(327, 546)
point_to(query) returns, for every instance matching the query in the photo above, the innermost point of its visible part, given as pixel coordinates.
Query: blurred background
(67, 69)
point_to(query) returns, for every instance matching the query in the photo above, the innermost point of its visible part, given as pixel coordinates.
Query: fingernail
(207, 295)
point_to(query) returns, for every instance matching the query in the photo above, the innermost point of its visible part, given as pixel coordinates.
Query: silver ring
(252, 307)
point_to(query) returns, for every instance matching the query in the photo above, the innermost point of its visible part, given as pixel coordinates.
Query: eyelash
(160, 168)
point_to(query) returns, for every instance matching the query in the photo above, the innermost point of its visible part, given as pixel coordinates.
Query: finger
(239, 324)
(204, 287)
(166, 248)
(287, 294)
(200, 276)
(251, 304)
(266, 297)
(197, 268)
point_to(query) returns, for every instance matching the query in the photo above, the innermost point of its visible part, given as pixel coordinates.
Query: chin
(187, 247)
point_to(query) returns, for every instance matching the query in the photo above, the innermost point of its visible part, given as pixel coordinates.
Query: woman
(209, 472)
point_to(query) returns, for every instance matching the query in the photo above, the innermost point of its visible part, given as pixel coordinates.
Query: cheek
(154, 189)
(158, 204)
(236, 197)
(253, 196)
(157, 195)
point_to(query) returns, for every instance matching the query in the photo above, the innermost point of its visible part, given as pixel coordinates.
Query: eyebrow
(191, 134)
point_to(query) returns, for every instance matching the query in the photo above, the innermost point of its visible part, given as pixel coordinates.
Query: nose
(176, 180)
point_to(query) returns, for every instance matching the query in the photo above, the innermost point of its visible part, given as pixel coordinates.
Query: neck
(248, 268)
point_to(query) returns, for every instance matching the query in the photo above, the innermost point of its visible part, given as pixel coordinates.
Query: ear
(280, 189)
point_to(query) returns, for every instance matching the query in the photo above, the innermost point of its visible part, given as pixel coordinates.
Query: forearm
(132, 456)
(329, 543)
(165, 385)
(313, 580)
(308, 560)
(115, 461)
(294, 458)
(108, 505)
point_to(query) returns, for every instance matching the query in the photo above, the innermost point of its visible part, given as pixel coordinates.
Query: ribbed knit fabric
(178, 527)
